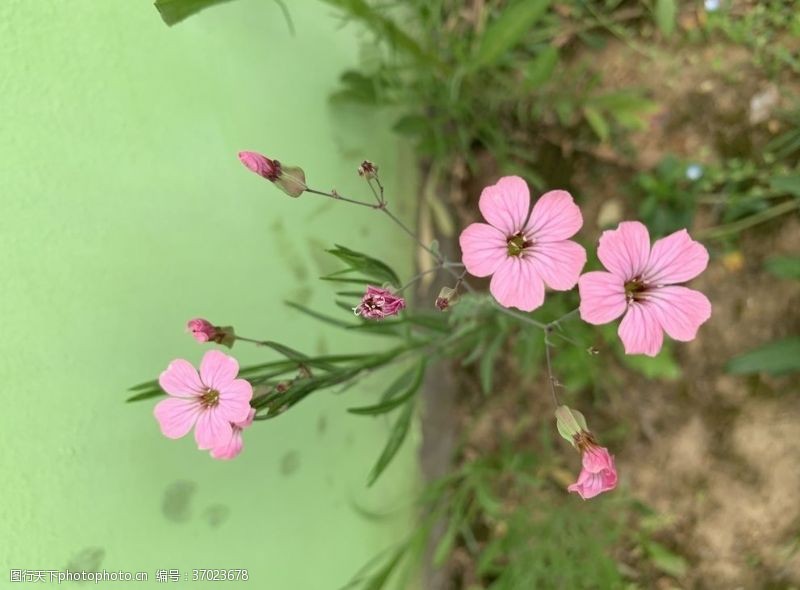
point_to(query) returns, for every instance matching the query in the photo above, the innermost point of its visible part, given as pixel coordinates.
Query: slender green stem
(519, 316)
(418, 276)
(337, 197)
(251, 340)
(412, 235)
(737, 226)
(550, 377)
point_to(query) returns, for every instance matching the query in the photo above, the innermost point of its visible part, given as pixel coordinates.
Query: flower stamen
(210, 399)
(517, 243)
(635, 289)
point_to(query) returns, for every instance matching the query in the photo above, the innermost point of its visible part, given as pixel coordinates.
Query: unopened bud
(290, 179)
(204, 331)
(447, 298)
(368, 170)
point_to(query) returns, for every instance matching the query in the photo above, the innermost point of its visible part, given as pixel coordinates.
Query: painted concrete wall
(123, 212)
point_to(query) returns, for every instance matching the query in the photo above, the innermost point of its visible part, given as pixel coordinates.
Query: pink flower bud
(204, 331)
(598, 474)
(261, 165)
(290, 179)
(378, 303)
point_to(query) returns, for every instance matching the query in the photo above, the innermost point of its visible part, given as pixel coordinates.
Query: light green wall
(125, 212)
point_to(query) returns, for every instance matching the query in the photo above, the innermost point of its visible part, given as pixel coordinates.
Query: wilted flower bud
(368, 170)
(290, 179)
(204, 331)
(447, 298)
(378, 303)
(598, 473)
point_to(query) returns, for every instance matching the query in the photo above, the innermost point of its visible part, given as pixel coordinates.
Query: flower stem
(337, 197)
(550, 377)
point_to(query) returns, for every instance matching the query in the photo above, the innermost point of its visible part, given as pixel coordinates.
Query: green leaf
(541, 68)
(486, 367)
(507, 30)
(662, 366)
(789, 183)
(785, 267)
(146, 385)
(665, 14)
(665, 560)
(629, 109)
(174, 11)
(597, 122)
(775, 358)
(393, 444)
(384, 27)
(366, 265)
(395, 401)
(320, 316)
(378, 581)
(145, 395)
(356, 88)
(412, 126)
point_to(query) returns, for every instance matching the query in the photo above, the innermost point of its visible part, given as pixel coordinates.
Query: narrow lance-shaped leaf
(395, 401)
(368, 266)
(386, 28)
(509, 29)
(396, 437)
(541, 68)
(174, 11)
(666, 11)
(775, 358)
(149, 394)
(785, 267)
(488, 359)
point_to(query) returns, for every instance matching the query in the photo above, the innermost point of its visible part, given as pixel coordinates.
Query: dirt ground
(717, 455)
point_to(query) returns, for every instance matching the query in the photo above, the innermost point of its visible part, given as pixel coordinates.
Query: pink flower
(641, 285)
(599, 474)
(210, 401)
(202, 330)
(290, 179)
(378, 303)
(234, 446)
(522, 250)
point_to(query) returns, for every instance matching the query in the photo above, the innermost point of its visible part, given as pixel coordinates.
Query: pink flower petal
(217, 369)
(247, 422)
(559, 264)
(181, 379)
(640, 331)
(231, 449)
(602, 297)
(176, 416)
(506, 204)
(484, 248)
(625, 250)
(596, 459)
(212, 429)
(679, 311)
(676, 258)
(555, 217)
(516, 284)
(234, 400)
(590, 485)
